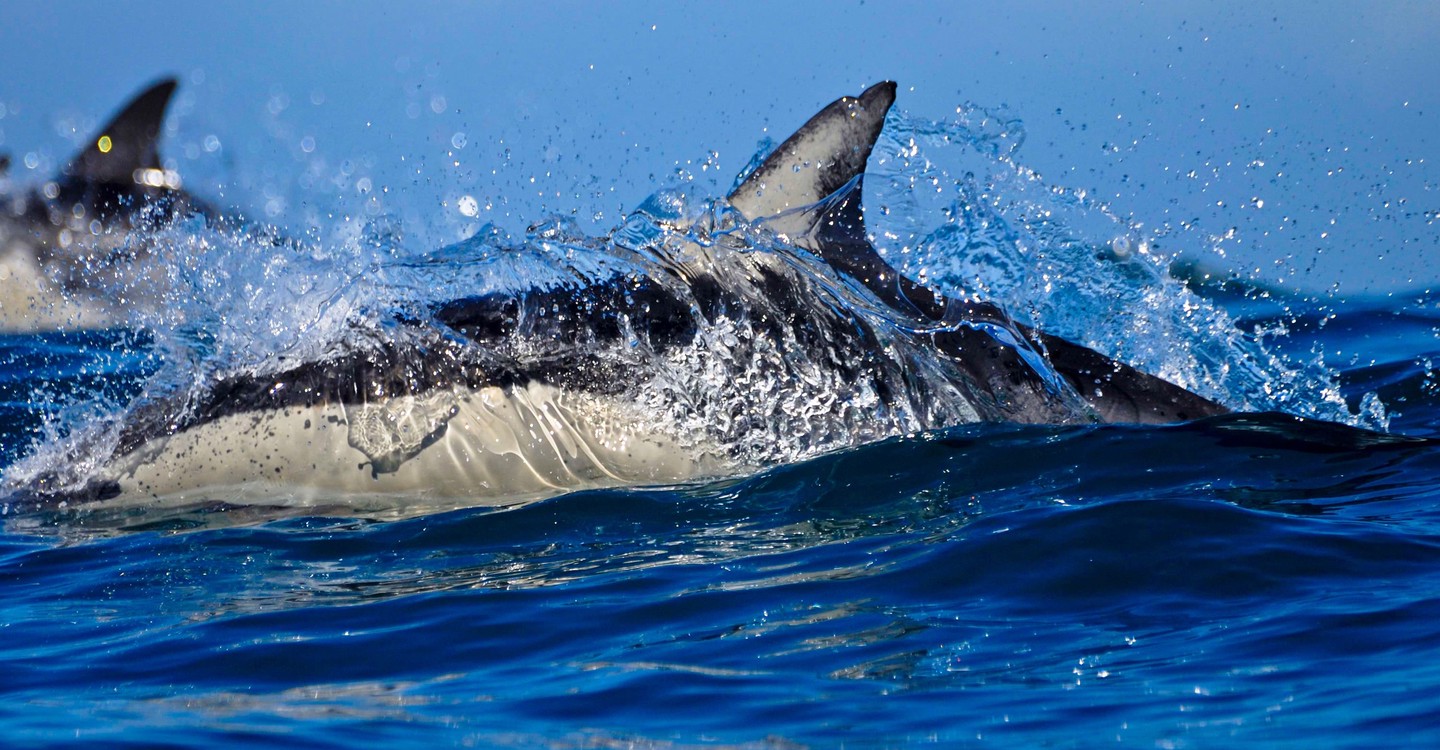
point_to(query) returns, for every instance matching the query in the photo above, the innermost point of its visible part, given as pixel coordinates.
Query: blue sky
(1309, 128)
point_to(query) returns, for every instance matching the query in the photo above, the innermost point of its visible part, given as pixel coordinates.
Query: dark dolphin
(66, 243)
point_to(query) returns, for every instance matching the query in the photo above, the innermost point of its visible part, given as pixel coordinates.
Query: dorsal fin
(128, 143)
(823, 165)
(821, 169)
(821, 157)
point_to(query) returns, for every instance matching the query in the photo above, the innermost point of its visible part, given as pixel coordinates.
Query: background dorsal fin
(128, 142)
(821, 157)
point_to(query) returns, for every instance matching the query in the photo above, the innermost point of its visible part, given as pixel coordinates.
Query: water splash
(953, 206)
(765, 380)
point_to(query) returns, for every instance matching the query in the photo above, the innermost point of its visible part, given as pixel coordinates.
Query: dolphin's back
(822, 167)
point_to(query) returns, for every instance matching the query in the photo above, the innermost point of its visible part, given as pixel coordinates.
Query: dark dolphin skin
(808, 192)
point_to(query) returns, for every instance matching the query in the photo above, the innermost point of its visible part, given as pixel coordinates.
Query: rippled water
(1259, 577)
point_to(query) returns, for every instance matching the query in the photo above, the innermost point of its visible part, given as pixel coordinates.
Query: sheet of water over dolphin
(682, 348)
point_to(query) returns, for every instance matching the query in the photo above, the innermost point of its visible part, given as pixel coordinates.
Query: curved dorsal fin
(128, 142)
(821, 157)
(823, 166)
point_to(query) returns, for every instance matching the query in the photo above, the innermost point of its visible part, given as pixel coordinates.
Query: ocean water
(1270, 577)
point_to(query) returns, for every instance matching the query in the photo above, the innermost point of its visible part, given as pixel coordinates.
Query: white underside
(498, 446)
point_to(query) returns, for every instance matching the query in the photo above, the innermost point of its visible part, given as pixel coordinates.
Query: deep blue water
(1255, 578)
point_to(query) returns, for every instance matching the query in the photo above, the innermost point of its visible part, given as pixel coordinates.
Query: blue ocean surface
(1270, 577)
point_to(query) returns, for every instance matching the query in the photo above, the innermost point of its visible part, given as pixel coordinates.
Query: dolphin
(691, 347)
(67, 246)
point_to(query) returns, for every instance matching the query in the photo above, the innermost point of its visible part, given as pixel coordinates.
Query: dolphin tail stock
(1119, 392)
(810, 189)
